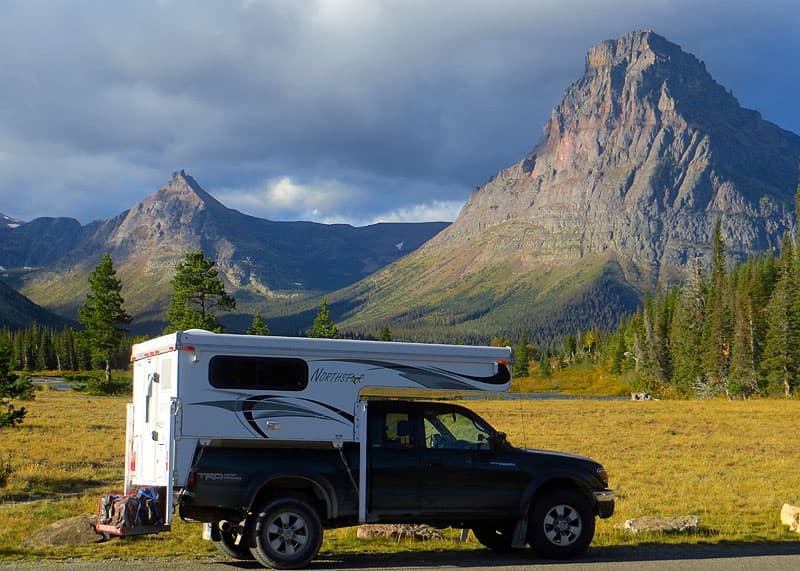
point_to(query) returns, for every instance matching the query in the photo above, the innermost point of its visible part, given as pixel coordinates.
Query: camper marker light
(133, 461)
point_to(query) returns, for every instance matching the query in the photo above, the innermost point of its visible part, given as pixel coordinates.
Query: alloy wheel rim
(562, 525)
(287, 533)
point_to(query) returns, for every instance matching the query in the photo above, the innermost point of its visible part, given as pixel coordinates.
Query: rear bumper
(605, 502)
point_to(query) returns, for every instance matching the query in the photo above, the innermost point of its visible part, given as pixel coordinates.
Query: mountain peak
(642, 46)
(183, 188)
(641, 157)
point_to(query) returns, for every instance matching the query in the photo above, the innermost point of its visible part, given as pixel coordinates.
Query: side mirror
(498, 440)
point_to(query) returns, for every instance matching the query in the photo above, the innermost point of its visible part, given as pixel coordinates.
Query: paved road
(766, 557)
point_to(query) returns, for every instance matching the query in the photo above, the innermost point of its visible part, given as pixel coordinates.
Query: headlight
(603, 475)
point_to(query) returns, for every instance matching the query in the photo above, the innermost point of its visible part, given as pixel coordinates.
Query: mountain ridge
(259, 259)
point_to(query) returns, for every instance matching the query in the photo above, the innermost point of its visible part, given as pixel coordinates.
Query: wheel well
(297, 487)
(563, 484)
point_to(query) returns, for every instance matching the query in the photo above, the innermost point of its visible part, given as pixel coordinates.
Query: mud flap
(520, 533)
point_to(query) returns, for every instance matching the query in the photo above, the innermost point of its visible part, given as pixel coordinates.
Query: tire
(495, 539)
(561, 524)
(227, 545)
(287, 535)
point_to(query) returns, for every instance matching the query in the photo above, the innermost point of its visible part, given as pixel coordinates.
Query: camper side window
(257, 373)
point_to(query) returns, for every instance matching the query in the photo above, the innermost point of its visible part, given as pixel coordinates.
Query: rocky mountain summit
(641, 156)
(636, 163)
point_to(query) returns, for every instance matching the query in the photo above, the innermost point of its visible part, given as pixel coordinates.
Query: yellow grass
(731, 463)
(584, 379)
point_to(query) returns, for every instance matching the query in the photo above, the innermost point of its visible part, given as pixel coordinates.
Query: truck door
(394, 467)
(463, 476)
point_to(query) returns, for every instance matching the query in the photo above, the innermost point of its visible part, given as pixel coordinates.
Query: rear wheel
(561, 524)
(496, 539)
(288, 534)
(227, 544)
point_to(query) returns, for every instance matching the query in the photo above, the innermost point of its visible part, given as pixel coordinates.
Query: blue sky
(352, 111)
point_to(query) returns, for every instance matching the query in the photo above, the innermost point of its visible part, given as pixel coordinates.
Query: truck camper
(262, 439)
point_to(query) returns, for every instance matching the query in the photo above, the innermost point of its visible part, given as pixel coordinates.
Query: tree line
(731, 330)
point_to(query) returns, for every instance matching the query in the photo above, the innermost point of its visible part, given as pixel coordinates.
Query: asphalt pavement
(734, 557)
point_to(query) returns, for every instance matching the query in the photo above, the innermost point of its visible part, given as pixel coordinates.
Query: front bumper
(605, 502)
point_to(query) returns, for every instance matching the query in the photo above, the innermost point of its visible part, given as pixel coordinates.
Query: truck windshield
(453, 429)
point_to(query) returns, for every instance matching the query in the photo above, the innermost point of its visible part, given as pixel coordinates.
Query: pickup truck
(429, 462)
(268, 440)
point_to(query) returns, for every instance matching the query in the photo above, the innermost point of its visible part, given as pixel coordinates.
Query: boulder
(790, 515)
(78, 530)
(680, 524)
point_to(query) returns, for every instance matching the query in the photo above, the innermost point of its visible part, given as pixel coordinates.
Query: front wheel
(288, 534)
(561, 524)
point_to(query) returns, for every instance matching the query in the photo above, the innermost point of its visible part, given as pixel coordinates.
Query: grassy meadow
(733, 463)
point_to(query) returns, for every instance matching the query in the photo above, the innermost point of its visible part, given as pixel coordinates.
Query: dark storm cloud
(333, 110)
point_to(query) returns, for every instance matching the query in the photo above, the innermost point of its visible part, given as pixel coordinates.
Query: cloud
(283, 198)
(384, 106)
(434, 211)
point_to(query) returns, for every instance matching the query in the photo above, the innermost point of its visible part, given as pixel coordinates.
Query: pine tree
(324, 327)
(258, 327)
(11, 387)
(198, 293)
(717, 327)
(618, 355)
(779, 363)
(102, 314)
(743, 374)
(522, 356)
(686, 331)
(385, 334)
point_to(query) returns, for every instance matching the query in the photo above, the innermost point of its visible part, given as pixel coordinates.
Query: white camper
(195, 389)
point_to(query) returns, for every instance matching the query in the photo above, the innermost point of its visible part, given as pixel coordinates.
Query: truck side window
(258, 373)
(397, 431)
(452, 430)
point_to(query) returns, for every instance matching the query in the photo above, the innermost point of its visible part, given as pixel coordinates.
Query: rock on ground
(398, 532)
(78, 530)
(790, 515)
(680, 524)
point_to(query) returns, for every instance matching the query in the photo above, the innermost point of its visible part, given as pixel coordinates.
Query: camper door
(152, 445)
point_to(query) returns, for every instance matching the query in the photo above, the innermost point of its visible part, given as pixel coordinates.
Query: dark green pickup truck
(427, 462)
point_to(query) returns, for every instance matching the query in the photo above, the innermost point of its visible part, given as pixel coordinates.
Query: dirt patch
(78, 530)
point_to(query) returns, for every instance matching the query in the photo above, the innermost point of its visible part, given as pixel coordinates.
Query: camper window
(257, 373)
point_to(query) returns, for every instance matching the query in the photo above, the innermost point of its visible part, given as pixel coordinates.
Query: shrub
(95, 383)
(6, 469)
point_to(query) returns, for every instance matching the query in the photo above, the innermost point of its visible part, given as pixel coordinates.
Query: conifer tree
(618, 354)
(198, 293)
(717, 327)
(779, 363)
(11, 387)
(258, 327)
(522, 356)
(103, 314)
(324, 327)
(686, 331)
(385, 334)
